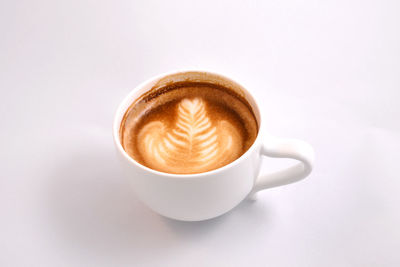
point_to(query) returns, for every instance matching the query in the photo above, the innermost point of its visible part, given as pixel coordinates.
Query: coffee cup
(205, 195)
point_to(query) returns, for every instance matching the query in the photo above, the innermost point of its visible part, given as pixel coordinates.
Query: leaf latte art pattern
(193, 144)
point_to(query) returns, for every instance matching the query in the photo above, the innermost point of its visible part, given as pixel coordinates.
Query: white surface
(326, 71)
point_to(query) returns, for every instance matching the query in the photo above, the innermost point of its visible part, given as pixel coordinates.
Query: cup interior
(175, 77)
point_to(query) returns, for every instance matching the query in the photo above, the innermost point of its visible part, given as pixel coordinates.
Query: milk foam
(194, 143)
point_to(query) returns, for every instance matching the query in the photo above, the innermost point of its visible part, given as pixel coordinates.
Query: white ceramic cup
(196, 197)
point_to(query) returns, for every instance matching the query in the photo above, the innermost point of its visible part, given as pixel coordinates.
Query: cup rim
(128, 98)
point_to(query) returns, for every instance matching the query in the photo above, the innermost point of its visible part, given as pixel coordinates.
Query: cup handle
(285, 148)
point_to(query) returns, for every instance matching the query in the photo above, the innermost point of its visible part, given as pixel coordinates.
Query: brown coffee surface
(188, 128)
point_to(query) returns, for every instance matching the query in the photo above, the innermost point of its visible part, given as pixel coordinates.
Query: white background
(327, 72)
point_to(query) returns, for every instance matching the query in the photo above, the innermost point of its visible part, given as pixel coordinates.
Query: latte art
(192, 144)
(188, 127)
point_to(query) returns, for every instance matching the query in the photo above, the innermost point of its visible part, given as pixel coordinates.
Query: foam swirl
(193, 144)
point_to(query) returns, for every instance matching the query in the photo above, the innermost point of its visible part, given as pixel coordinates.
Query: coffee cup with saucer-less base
(192, 145)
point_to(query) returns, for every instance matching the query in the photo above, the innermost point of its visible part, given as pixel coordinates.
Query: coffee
(188, 127)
